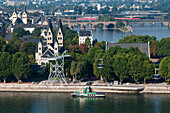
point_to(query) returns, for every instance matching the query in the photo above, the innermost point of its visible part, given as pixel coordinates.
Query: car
(84, 79)
(157, 76)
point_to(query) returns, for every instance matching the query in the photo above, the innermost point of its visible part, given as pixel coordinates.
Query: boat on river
(86, 93)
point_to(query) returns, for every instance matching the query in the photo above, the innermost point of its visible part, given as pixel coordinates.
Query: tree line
(16, 59)
(119, 64)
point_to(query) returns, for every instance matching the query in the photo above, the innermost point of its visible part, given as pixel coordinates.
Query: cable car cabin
(156, 76)
(100, 65)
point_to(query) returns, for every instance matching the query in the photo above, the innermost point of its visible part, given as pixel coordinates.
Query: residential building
(83, 34)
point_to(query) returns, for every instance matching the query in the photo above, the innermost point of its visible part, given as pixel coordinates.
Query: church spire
(25, 9)
(15, 9)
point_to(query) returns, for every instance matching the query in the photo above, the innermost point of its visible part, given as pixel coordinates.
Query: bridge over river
(153, 21)
(111, 24)
(93, 25)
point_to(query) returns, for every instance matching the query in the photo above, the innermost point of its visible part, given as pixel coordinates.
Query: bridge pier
(93, 27)
(130, 24)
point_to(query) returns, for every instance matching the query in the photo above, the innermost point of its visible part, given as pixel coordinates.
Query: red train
(127, 18)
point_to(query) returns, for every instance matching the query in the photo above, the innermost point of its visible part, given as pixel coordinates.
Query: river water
(158, 30)
(15, 102)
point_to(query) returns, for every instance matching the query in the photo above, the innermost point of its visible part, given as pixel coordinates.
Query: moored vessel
(86, 93)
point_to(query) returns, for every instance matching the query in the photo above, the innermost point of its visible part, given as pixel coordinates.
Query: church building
(51, 45)
(19, 18)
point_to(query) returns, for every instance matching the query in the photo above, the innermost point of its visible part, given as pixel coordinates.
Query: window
(39, 53)
(55, 48)
(59, 33)
(48, 43)
(50, 38)
(39, 48)
(49, 33)
(59, 38)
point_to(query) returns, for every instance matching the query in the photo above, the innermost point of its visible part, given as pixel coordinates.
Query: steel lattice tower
(57, 68)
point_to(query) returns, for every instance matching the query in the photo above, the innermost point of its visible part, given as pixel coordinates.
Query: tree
(148, 70)
(137, 39)
(119, 24)
(28, 48)
(13, 45)
(164, 47)
(83, 48)
(87, 42)
(164, 67)
(121, 66)
(136, 66)
(73, 69)
(5, 68)
(22, 67)
(19, 31)
(36, 32)
(99, 45)
(153, 48)
(2, 43)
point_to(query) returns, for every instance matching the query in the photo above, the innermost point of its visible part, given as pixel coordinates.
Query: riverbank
(29, 87)
(125, 29)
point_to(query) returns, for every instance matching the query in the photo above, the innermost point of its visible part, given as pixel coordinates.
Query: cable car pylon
(57, 68)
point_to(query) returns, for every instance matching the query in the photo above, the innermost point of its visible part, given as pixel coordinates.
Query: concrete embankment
(70, 89)
(157, 89)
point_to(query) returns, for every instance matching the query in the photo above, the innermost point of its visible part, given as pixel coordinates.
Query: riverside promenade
(131, 88)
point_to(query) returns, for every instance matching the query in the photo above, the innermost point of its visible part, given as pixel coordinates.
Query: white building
(83, 34)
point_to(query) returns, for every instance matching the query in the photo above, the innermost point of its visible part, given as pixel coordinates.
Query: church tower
(14, 16)
(24, 16)
(60, 34)
(49, 33)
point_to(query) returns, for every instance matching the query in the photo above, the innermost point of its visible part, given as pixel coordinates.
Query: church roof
(8, 36)
(85, 33)
(18, 21)
(48, 53)
(50, 26)
(60, 26)
(15, 9)
(25, 25)
(37, 19)
(143, 47)
(25, 9)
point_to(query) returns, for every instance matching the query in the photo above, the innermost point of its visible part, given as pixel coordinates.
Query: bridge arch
(89, 25)
(100, 25)
(110, 26)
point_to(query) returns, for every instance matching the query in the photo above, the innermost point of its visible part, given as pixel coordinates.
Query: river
(15, 102)
(159, 31)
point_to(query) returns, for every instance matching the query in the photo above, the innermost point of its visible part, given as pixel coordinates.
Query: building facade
(83, 34)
